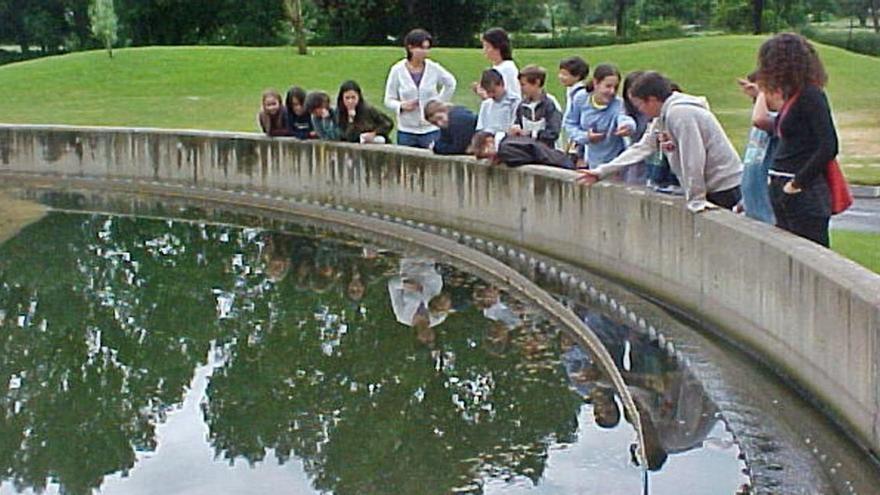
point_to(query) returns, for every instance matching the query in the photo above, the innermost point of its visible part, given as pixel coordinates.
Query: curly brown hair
(788, 62)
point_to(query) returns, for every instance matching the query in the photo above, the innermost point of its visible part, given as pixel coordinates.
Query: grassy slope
(218, 87)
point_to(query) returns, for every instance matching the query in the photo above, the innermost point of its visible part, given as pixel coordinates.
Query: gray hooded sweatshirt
(704, 159)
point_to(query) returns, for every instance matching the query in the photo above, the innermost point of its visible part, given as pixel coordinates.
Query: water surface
(150, 356)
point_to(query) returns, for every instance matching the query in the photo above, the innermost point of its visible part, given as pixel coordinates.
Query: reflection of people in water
(497, 338)
(421, 322)
(327, 272)
(277, 256)
(676, 413)
(605, 409)
(503, 319)
(356, 288)
(417, 294)
(324, 266)
(582, 371)
(305, 266)
(681, 414)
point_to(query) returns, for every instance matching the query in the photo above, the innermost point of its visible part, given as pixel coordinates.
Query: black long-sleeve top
(300, 126)
(370, 120)
(456, 137)
(529, 114)
(515, 151)
(808, 140)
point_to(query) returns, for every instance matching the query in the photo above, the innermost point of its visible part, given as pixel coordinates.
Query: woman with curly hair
(793, 79)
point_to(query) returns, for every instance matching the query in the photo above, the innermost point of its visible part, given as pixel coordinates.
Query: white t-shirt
(407, 300)
(510, 74)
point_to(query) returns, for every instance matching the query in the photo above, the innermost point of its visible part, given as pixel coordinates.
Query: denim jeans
(660, 174)
(756, 164)
(417, 140)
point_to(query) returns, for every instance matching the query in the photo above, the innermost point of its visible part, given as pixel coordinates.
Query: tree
(33, 22)
(512, 15)
(447, 25)
(819, 9)
(857, 8)
(875, 6)
(294, 11)
(757, 16)
(104, 23)
(620, 7)
(735, 15)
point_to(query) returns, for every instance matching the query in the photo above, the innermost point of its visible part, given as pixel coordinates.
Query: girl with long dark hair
(299, 122)
(358, 121)
(499, 51)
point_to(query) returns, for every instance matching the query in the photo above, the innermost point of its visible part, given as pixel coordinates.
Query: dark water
(144, 356)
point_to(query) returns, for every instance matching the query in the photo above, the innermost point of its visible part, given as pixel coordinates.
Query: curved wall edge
(811, 313)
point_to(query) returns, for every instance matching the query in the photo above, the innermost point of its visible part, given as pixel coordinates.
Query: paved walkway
(863, 216)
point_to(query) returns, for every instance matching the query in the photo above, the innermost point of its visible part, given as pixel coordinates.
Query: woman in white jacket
(412, 83)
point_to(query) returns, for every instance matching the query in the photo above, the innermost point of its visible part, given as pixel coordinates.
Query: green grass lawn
(219, 87)
(861, 247)
(863, 170)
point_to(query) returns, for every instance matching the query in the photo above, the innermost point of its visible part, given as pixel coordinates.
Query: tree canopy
(64, 25)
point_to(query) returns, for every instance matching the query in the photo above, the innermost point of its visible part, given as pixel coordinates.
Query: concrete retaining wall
(809, 312)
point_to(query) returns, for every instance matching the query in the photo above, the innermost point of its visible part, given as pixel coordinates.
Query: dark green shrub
(8, 57)
(657, 30)
(859, 41)
(660, 29)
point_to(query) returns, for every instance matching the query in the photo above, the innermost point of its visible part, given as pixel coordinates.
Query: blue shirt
(585, 116)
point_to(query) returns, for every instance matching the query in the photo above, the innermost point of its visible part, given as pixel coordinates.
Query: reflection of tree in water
(102, 322)
(105, 321)
(367, 407)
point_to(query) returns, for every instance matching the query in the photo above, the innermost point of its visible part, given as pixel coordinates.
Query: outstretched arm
(637, 153)
(761, 115)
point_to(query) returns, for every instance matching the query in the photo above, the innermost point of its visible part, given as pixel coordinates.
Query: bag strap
(783, 112)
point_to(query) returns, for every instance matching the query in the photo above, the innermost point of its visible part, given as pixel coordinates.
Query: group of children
(518, 122)
(654, 134)
(311, 116)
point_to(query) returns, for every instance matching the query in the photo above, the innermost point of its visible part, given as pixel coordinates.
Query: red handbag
(841, 196)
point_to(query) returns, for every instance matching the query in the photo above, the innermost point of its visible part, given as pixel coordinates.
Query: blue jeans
(417, 140)
(661, 175)
(756, 164)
